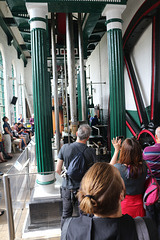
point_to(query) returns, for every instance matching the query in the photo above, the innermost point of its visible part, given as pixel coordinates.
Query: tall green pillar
(41, 92)
(116, 69)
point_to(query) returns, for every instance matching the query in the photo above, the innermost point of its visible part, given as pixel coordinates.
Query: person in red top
(133, 170)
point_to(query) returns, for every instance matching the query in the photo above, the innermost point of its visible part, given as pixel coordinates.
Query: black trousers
(153, 212)
(70, 202)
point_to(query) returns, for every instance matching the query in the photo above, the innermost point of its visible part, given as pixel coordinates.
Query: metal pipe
(8, 201)
(82, 75)
(96, 145)
(55, 81)
(62, 87)
(71, 67)
(137, 92)
(67, 106)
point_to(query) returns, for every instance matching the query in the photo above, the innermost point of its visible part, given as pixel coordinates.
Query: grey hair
(84, 131)
(158, 132)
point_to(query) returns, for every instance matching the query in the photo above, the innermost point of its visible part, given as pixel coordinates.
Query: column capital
(113, 14)
(37, 12)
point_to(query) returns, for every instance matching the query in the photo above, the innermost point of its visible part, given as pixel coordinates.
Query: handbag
(152, 190)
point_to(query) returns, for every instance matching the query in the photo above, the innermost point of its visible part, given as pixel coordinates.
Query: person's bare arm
(59, 166)
(117, 145)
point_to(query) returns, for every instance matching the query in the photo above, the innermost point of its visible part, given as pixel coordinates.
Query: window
(2, 99)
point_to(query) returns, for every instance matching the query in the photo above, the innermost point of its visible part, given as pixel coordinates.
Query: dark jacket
(122, 228)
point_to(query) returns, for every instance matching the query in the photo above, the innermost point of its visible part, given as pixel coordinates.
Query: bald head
(157, 134)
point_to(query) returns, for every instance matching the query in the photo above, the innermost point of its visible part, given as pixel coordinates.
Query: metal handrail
(7, 192)
(97, 129)
(11, 196)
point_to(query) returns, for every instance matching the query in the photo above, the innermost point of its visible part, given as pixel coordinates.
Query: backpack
(152, 190)
(141, 228)
(77, 167)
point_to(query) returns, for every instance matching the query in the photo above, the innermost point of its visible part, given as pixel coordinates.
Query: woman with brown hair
(133, 170)
(100, 195)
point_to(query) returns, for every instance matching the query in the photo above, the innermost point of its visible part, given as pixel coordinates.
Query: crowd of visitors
(18, 132)
(100, 196)
(110, 195)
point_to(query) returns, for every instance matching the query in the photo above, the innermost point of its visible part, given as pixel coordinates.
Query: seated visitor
(101, 193)
(20, 128)
(19, 137)
(16, 126)
(133, 170)
(23, 131)
(20, 119)
(15, 130)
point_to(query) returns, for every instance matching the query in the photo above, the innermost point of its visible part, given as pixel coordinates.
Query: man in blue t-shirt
(65, 156)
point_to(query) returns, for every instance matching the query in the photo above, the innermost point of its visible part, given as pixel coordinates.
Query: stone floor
(4, 235)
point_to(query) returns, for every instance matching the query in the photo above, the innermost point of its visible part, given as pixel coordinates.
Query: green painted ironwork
(49, 106)
(79, 96)
(116, 81)
(2, 98)
(81, 6)
(45, 183)
(93, 8)
(41, 100)
(11, 39)
(37, 19)
(114, 20)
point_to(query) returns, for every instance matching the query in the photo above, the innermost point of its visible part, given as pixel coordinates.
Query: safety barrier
(24, 198)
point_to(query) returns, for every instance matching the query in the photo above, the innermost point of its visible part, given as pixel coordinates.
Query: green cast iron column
(116, 70)
(79, 95)
(41, 92)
